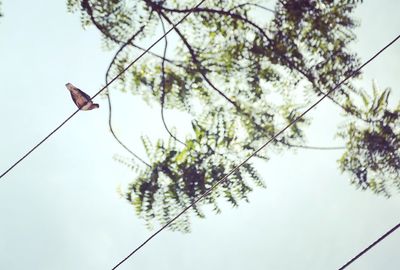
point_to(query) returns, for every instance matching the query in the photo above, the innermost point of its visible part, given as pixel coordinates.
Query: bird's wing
(81, 99)
(83, 94)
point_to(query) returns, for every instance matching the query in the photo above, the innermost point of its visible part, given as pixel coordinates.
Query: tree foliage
(372, 156)
(242, 71)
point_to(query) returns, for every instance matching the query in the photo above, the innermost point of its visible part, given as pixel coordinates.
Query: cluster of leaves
(230, 66)
(311, 37)
(372, 156)
(178, 176)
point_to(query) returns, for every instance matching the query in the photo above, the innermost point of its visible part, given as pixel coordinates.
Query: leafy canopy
(242, 71)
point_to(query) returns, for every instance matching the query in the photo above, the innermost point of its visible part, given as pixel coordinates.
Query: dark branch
(109, 98)
(200, 69)
(86, 6)
(162, 96)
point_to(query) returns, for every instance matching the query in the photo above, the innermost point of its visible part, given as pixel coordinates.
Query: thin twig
(162, 96)
(109, 98)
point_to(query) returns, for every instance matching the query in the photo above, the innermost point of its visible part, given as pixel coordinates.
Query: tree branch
(264, 34)
(86, 6)
(197, 62)
(157, 7)
(109, 98)
(162, 96)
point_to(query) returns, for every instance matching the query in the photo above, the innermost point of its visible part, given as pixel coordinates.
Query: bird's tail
(94, 106)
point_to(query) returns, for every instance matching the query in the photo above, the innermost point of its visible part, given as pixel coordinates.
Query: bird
(81, 99)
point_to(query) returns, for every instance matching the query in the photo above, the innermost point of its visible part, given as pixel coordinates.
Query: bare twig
(162, 96)
(109, 98)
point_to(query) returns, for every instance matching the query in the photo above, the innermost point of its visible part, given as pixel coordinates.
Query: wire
(370, 246)
(208, 191)
(234, 169)
(38, 144)
(102, 89)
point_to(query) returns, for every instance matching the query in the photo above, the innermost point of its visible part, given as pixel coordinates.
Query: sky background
(59, 208)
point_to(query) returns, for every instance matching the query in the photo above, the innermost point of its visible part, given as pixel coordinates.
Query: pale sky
(59, 208)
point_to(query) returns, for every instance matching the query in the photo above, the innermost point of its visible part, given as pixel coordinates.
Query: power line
(370, 246)
(38, 144)
(104, 87)
(255, 152)
(234, 169)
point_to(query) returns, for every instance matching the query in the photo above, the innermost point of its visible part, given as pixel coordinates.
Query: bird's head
(69, 86)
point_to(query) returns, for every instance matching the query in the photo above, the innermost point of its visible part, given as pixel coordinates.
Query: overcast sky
(59, 208)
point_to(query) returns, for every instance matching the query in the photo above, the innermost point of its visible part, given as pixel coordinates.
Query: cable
(38, 144)
(234, 169)
(104, 87)
(370, 246)
(255, 152)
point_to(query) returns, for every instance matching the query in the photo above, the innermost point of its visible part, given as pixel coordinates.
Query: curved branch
(162, 96)
(86, 6)
(109, 98)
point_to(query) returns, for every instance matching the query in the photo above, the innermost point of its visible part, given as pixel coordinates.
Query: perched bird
(81, 99)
